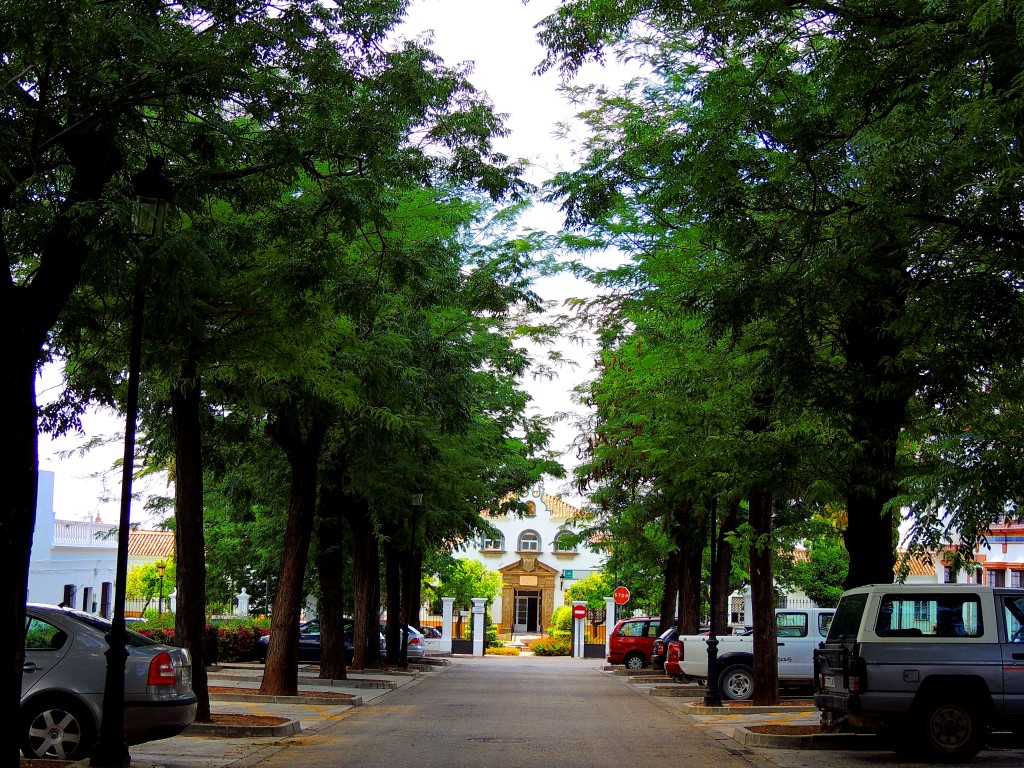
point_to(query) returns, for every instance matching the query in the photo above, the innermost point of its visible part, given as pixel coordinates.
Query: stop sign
(579, 611)
(621, 595)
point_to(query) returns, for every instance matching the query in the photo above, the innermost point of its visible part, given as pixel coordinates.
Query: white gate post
(578, 630)
(479, 606)
(447, 612)
(609, 624)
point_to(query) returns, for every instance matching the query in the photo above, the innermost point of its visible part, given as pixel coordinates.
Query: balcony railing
(75, 533)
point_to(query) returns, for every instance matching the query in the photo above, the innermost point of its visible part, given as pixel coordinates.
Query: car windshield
(846, 620)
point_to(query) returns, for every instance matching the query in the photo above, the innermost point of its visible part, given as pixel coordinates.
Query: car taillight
(414, 641)
(161, 670)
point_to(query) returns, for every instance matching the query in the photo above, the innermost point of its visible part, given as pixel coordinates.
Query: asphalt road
(508, 712)
(519, 712)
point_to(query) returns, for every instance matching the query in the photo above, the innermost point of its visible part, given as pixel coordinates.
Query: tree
(804, 148)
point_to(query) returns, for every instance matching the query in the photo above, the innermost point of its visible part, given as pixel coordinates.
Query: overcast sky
(498, 36)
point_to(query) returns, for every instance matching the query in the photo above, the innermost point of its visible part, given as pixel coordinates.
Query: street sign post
(579, 611)
(621, 595)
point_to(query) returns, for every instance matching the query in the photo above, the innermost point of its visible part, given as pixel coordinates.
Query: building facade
(74, 561)
(537, 561)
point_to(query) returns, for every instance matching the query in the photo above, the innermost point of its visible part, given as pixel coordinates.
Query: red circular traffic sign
(621, 595)
(579, 611)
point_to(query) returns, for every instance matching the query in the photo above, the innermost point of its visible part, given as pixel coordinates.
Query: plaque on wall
(527, 581)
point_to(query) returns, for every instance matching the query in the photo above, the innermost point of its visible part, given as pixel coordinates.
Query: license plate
(830, 682)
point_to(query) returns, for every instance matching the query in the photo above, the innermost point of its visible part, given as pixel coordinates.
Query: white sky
(499, 37)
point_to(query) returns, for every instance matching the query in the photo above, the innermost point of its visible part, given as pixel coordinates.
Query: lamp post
(160, 568)
(712, 694)
(152, 194)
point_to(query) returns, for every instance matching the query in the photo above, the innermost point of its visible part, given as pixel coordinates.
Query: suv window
(1013, 619)
(846, 620)
(791, 624)
(824, 622)
(930, 615)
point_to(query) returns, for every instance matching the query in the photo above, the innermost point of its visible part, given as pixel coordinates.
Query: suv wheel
(953, 731)
(58, 730)
(634, 661)
(737, 682)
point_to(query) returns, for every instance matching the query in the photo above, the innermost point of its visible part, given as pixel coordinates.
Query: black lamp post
(160, 569)
(153, 192)
(712, 694)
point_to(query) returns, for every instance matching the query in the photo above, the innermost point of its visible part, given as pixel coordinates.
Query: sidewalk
(205, 745)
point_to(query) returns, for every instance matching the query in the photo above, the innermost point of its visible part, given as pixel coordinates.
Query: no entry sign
(621, 595)
(579, 611)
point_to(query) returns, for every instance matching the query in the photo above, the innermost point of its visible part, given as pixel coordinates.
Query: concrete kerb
(372, 683)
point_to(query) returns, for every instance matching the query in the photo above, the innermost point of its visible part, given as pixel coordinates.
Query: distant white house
(536, 560)
(73, 561)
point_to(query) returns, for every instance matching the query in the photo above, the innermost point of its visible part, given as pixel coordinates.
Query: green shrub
(561, 621)
(501, 650)
(233, 640)
(551, 646)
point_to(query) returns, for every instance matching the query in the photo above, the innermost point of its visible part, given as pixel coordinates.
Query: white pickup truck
(799, 633)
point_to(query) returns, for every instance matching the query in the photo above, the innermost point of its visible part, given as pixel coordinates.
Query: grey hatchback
(64, 675)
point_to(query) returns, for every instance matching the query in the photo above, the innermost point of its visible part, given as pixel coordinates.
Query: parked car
(309, 642)
(64, 676)
(632, 641)
(431, 633)
(671, 663)
(415, 649)
(661, 647)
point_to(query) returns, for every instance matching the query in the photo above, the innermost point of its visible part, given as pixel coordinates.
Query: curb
(670, 691)
(806, 741)
(352, 701)
(700, 709)
(213, 729)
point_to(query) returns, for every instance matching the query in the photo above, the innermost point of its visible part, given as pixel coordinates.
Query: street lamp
(712, 694)
(152, 192)
(160, 568)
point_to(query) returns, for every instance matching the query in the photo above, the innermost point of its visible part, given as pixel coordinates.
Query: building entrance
(527, 617)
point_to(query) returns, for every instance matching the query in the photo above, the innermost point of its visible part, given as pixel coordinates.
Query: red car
(632, 641)
(672, 659)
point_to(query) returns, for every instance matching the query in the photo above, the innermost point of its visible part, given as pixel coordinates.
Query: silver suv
(64, 675)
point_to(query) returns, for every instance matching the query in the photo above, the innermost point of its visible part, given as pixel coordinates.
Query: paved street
(511, 712)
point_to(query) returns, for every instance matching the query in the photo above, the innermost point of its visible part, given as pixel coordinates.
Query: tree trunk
(281, 672)
(762, 587)
(17, 523)
(189, 537)
(689, 589)
(393, 598)
(670, 596)
(723, 566)
(366, 584)
(331, 573)
(881, 391)
(28, 310)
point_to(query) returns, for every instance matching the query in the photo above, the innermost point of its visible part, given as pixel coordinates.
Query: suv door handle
(31, 666)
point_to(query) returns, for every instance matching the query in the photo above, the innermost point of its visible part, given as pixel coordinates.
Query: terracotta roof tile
(561, 509)
(158, 544)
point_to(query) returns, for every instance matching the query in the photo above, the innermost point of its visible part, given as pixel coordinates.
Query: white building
(73, 561)
(536, 560)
